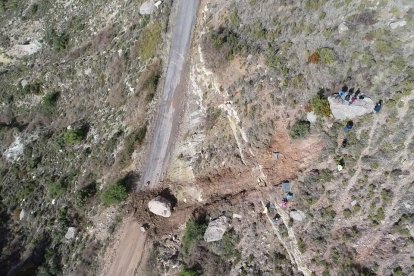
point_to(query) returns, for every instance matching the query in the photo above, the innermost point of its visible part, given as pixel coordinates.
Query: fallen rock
(160, 206)
(341, 110)
(22, 214)
(19, 51)
(398, 24)
(297, 215)
(216, 229)
(71, 233)
(311, 117)
(342, 28)
(237, 216)
(147, 7)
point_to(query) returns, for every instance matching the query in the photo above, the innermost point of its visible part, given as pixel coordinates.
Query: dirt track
(131, 250)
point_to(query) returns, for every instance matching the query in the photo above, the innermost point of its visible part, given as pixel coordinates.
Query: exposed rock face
(71, 233)
(216, 229)
(297, 215)
(341, 110)
(160, 206)
(147, 7)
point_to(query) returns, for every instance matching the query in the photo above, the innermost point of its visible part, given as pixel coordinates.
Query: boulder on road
(216, 229)
(160, 206)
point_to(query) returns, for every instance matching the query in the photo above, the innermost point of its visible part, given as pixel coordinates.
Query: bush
(320, 105)
(75, 136)
(115, 194)
(194, 232)
(149, 40)
(300, 129)
(82, 195)
(327, 55)
(188, 272)
(56, 189)
(59, 42)
(49, 100)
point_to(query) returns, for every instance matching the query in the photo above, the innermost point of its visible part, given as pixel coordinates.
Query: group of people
(350, 96)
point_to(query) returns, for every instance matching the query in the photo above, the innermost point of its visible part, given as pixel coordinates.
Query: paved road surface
(167, 120)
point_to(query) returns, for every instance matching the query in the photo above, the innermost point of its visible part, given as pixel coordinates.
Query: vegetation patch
(115, 193)
(149, 40)
(194, 232)
(75, 136)
(300, 129)
(320, 105)
(49, 101)
(327, 55)
(58, 41)
(315, 58)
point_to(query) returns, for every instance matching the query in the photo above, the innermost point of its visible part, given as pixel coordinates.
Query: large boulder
(216, 229)
(71, 233)
(297, 215)
(342, 110)
(160, 206)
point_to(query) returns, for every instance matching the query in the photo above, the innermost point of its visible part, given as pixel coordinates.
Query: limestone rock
(22, 214)
(71, 233)
(341, 110)
(147, 7)
(311, 117)
(398, 24)
(297, 215)
(160, 206)
(342, 28)
(216, 229)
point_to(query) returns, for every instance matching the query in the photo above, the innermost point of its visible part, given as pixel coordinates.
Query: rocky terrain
(80, 87)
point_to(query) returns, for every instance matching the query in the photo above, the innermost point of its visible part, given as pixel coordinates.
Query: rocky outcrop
(342, 110)
(216, 229)
(148, 7)
(160, 206)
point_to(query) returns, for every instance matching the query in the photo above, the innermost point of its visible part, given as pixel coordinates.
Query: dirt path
(130, 251)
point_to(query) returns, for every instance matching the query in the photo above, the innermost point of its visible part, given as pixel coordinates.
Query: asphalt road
(168, 115)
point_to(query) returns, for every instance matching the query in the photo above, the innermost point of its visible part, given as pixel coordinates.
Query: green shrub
(327, 55)
(194, 232)
(347, 213)
(115, 193)
(149, 40)
(133, 140)
(188, 272)
(226, 40)
(320, 105)
(56, 189)
(275, 61)
(59, 42)
(82, 195)
(74, 136)
(300, 129)
(49, 100)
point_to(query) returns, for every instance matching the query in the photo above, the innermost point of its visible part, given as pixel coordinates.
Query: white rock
(71, 233)
(160, 206)
(216, 229)
(158, 3)
(353, 203)
(23, 83)
(19, 51)
(147, 7)
(311, 117)
(22, 214)
(342, 28)
(297, 215)
(237, 216)
(342, 110)
(15, 150)
(398, 24)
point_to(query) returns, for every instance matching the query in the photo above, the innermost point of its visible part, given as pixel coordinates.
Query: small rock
(160, 206)
(297, 215)
(22, 214)
(342, 28)
(237, 216)
(311, 117)
(147, 7)
(71, 233)
(145, 227)
(353, 203)
(216, 229)
(23, 83)
(276, 155)
(398, 24)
